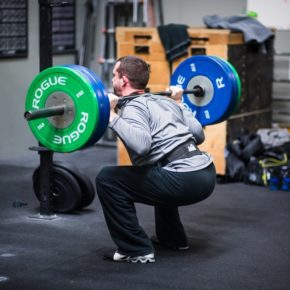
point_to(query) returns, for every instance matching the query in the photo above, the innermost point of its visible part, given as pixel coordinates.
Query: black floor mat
(239, 239)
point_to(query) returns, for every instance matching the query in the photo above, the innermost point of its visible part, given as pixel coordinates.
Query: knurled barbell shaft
(46, 112)
(197, 91)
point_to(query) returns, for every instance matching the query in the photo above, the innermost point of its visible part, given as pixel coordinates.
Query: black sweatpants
(119, 187)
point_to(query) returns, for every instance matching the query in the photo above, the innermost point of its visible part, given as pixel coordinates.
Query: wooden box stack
(145, 43)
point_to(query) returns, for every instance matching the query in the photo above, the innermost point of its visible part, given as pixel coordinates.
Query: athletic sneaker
(117, 257)
(155, 241)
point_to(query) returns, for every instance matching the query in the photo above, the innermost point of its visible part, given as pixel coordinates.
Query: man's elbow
(144, 146)
(200, 138)
(143, 149)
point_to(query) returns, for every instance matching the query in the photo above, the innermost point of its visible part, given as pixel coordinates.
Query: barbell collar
(197, 91)
(46, 112)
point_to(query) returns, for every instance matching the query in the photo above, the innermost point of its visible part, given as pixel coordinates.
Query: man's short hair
(135, 69)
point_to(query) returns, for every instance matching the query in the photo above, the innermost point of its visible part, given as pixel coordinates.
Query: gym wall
(15, 76)
(17, 73)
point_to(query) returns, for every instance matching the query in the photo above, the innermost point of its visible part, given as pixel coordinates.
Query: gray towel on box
(253, 30)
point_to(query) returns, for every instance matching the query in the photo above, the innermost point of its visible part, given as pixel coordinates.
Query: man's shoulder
(143, 98)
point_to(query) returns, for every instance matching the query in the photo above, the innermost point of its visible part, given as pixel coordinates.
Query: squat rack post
(45, 61)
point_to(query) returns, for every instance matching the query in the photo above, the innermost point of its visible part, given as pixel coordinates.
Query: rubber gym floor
(239, 238)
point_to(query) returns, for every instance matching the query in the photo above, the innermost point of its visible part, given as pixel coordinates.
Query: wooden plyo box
(140, 41)
(145, 43)
(214, 136)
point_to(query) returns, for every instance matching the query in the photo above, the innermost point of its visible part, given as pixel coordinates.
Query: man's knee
(105, 178)
(102, 179)
(105, 174)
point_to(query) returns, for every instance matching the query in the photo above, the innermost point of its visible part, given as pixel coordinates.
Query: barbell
(67, 107)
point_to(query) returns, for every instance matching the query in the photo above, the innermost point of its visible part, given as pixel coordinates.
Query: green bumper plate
(61, 80)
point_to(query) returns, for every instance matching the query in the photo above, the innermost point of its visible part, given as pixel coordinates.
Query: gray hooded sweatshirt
(151, 126)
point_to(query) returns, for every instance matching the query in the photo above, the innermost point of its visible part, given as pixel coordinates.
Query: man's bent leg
(119, 210)
(169, 229)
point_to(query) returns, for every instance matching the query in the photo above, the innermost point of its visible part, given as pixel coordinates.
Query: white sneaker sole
(141, 259)
(149, 258)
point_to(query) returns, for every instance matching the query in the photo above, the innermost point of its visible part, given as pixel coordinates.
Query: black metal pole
(45, 61)
(45, 34)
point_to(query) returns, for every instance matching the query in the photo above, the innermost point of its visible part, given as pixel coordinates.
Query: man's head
(130, 74)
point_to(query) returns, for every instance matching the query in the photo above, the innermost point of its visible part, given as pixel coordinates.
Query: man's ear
(125, 81)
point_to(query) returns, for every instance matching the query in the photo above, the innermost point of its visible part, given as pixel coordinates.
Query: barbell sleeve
(46, 112)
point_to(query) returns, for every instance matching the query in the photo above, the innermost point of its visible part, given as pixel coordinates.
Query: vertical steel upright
(45, 61)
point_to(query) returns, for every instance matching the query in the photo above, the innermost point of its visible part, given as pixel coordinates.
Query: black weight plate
(66, 190)
(86, 185)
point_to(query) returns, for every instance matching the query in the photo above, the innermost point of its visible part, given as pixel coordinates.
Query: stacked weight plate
(71, 188)
(221, 84)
